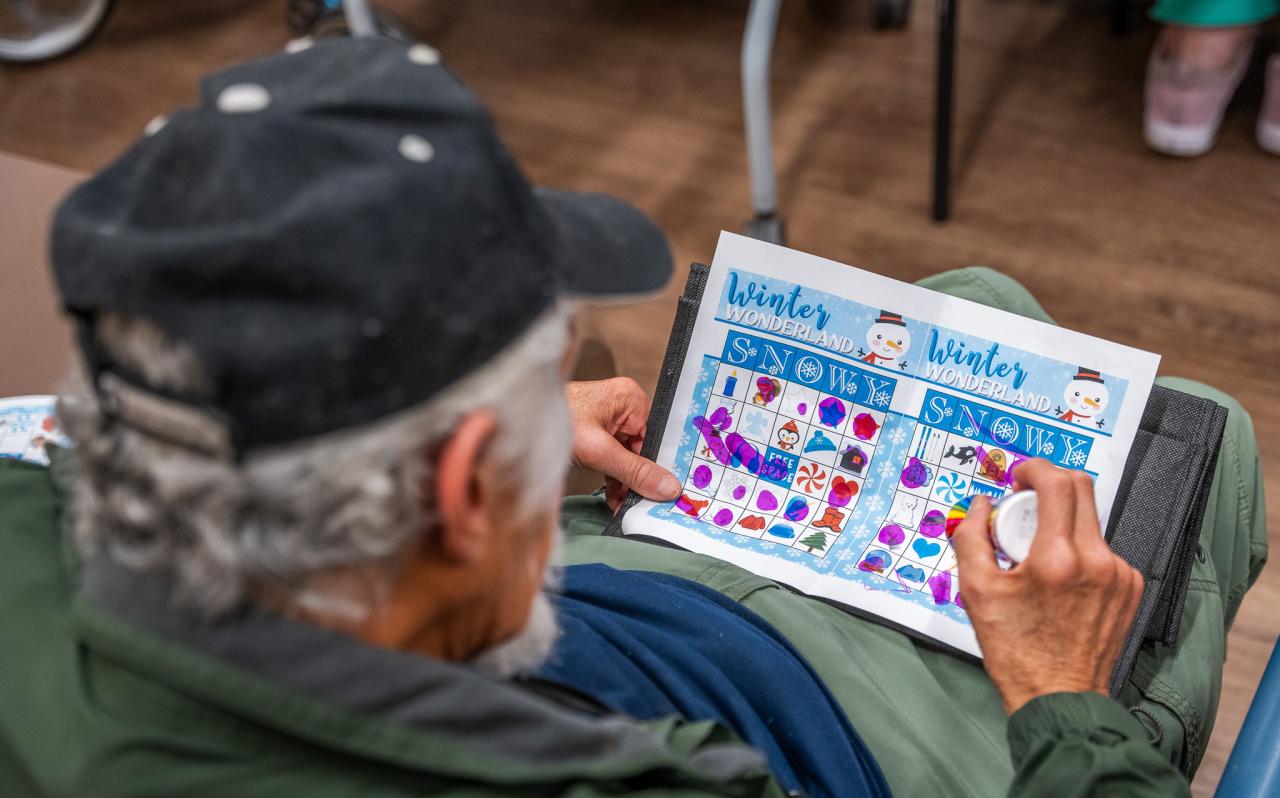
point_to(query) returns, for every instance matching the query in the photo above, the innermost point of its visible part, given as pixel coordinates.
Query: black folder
(1155, 520)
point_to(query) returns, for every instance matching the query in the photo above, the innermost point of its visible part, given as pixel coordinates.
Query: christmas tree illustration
(817, 540)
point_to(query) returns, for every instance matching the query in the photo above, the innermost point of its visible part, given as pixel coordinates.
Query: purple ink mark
(797, 510)
(802, 408)
(739, 492)
(767, 501)
(891, 535)
(724, 517)
(934, 524)
(865, 426)
(875, 562)
(831, 412)
(940, 586)
(915, 474)
(911, 573)
(960, 602)
(842, 491)
(701, 477)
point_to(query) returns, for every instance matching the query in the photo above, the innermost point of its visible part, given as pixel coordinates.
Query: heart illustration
(925, 548)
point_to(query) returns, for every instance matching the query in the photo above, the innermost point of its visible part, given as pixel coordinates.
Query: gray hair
(298, 520)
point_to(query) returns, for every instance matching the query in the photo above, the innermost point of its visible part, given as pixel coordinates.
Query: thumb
(975, 555)
(645, 477)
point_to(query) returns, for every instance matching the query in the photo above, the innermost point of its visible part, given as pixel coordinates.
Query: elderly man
(301, 543)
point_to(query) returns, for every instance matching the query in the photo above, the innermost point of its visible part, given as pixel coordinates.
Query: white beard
(531, 646)
(528, 649)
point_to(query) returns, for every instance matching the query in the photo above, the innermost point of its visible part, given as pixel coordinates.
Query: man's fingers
(1088, 532)
(975, 555)
(645, 477)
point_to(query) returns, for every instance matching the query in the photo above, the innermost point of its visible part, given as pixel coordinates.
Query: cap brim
(605, 247)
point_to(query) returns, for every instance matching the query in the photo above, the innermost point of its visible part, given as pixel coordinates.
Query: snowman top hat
(890, 318)
(1083, 373)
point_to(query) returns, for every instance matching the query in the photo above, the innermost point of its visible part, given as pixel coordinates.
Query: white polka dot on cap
(424, 54)
(299, 44)
(243, 98)
(416, 148)
(156, 125)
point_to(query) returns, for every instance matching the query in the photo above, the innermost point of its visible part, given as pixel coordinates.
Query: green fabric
(82, 714)
(935, 723)
(93, 706)
(1214, 13)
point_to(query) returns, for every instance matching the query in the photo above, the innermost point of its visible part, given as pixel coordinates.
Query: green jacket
(104, 692)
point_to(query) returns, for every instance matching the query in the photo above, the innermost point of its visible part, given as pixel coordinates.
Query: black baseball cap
(338, 234)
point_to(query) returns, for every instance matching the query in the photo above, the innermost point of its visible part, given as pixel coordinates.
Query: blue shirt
(651, 645)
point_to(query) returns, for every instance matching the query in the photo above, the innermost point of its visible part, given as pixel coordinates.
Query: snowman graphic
(1086, 397)
(887, 340)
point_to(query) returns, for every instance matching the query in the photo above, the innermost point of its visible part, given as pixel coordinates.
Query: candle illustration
(731, 383)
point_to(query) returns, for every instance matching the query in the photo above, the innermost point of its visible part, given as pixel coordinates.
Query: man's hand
(608, 430)
(1056, 622)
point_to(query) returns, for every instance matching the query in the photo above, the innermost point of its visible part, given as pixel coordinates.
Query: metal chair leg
(942, 112)
(757, 48)
(1121, 18)
(360, 20)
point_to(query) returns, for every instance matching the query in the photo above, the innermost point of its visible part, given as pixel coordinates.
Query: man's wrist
(1015, 698)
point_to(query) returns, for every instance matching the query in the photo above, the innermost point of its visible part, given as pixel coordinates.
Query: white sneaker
(1184, 105)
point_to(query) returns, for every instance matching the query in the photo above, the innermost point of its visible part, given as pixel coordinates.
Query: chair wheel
(890, 14)
(334, 23)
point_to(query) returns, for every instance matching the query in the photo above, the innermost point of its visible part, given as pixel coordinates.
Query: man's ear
(460, 492)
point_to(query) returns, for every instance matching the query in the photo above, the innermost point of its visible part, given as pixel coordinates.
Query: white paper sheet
(822, 456)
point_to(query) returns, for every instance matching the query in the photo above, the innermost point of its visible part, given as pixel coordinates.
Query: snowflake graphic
(751, 352)
(1003, 430)
(875, 504)
(846, 554)
(849, 570)
(887, 470)
(695, 407)
(753, 423)
(685, 439)
(862, 531)
(808, 369)
(968, 432)
(947, 411)
(899, 435)
(880, 398)
(1077, 458)
(774, 370)
(1047, 448)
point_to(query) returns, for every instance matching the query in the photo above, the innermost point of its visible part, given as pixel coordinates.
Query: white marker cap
(1013, 524)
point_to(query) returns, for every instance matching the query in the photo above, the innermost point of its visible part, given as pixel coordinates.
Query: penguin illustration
(1086, 397)
(887, 340)
(788, 436)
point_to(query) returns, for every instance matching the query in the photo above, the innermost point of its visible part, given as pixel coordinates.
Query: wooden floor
(641, 98)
